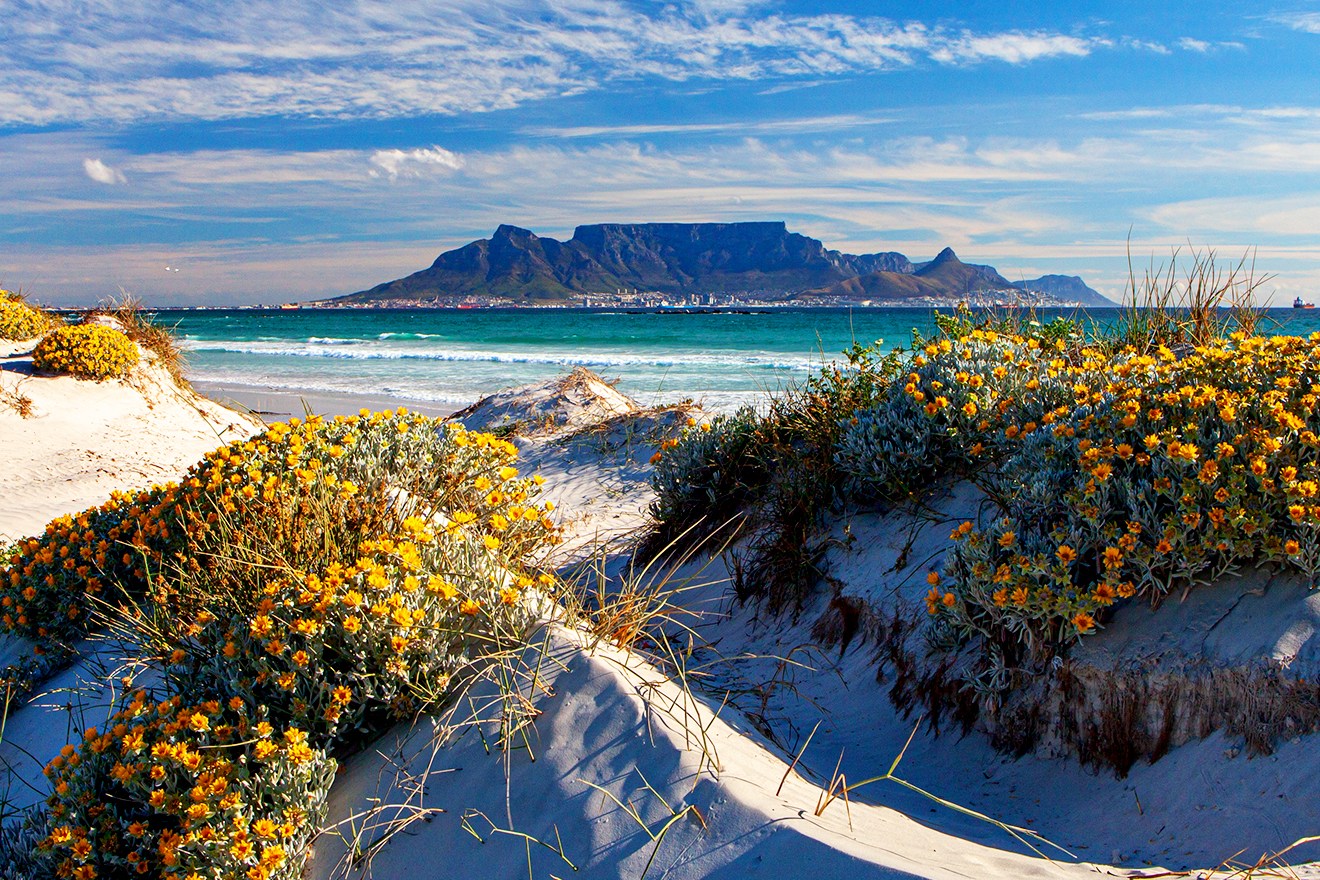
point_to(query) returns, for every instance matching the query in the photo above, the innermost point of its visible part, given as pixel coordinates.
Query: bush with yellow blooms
(299, 592)
(87, 351)
(18, 320)
(1161, 473)
(177, 790)
(1114, 473)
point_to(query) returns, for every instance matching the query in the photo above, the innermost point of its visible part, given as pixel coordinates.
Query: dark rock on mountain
(677, 259)
(945, 277)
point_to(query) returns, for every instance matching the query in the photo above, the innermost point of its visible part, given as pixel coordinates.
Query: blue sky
(287, 150)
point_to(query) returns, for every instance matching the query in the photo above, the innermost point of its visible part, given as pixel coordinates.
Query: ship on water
(1299, 304)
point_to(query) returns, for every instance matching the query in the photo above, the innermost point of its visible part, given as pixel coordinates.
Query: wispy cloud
(1019, 48)
(741, 128)
(1306, 22)
(411, 163)
(102, 173)
(1295, 216)
(383, 59)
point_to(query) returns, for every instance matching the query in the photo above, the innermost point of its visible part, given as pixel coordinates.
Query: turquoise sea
(441, 359)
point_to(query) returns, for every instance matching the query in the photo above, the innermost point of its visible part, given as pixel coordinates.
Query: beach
(728, 764)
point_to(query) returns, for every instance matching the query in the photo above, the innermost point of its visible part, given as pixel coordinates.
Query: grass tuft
(139, 325)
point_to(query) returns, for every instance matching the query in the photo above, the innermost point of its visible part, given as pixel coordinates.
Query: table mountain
(677, 259)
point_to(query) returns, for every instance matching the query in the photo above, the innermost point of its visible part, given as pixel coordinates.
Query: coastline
(275, 405)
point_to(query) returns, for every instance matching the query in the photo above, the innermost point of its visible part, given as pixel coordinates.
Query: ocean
(440, 360)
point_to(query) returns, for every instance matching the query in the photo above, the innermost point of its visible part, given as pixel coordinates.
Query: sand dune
(84, 439)
(720, 753)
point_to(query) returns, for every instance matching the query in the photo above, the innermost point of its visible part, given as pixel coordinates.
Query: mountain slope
(1066, 287)
(945, 277)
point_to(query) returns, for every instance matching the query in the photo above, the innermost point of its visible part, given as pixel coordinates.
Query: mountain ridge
(760, 259)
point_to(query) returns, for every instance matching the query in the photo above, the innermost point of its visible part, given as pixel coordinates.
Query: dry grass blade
(1195, 307)
(557, 847)
(657, 836)
(839, 787)
(15, 399)
(797, 758)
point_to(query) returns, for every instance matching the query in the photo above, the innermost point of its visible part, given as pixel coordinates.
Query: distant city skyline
(198, 153)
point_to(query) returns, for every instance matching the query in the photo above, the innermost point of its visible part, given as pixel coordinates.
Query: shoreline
(279, 405)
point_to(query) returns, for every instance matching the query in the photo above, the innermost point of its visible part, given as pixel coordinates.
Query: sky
(224, 153)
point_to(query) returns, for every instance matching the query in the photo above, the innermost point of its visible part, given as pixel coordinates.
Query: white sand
(618, 723)
(85, 439)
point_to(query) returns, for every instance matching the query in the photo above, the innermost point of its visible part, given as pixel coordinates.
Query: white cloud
(102, 173)
(1013, 48)
(1306, 22)
(394, 58)
(1295, 217)
(412, 162)
(1194, 45)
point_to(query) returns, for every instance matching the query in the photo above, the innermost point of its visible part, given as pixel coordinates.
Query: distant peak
(507, 231)
(945, 256)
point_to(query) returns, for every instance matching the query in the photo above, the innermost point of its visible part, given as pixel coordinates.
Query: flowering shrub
(300, 591)
(88, 351)
(707, 470)
(1119, 473)
(1159, 475)
(963, 403)
(335, 651)
(18, 320)
(300, 496)
(177, 790)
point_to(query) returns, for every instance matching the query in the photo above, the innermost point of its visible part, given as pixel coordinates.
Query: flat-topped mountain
(763, 260)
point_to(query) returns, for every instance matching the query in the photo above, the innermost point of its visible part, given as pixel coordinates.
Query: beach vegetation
(1160, 474)
(138, 324)
(1193, 299)
(296, 594)
(19, 320)
(772, 474)
(16, 400)
(86, 351)
(1122, 464)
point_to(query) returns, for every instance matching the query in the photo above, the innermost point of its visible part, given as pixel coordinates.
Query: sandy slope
(616, 723)
(610, 720)
(84, 439)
